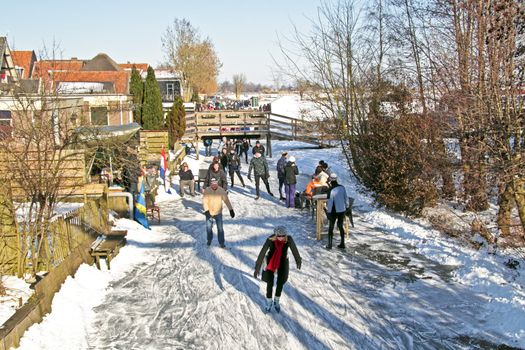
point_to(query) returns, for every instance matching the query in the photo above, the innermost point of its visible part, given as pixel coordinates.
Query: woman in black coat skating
(276, 261)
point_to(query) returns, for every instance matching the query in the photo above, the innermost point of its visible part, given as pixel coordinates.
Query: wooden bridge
(254, 125)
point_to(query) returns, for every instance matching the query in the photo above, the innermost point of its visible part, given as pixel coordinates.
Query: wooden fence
(64, 234)
(150, 145)
(31, 171)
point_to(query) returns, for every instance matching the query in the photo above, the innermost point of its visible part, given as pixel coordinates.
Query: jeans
(290, 195)
(245, 152)
(220, 230)
(208, 150)
(281, 184)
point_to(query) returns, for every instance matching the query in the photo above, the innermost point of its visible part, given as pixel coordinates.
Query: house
(8, 72)
(100, 82)
(24, 62)
(170, 85)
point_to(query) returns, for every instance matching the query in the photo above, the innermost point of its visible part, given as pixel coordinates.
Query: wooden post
(197, 148)
(319, 217)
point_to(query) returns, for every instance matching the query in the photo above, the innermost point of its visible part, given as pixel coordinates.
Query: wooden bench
(108, 247)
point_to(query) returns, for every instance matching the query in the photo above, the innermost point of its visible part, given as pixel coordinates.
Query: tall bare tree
(195, 58)
(238, 84)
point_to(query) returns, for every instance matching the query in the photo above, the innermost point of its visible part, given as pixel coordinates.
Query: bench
(201, 178)
(108, 247)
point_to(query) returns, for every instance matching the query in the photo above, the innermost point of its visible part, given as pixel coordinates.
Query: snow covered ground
(15, 289)
(398, 284)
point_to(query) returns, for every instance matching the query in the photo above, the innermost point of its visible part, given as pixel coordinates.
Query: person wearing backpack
(281, 163)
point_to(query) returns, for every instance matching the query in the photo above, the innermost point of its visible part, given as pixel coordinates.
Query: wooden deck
(254, 124)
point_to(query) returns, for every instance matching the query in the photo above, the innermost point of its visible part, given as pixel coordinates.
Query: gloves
(299, 263)
(207, 214)
(232, 213)
(256, 274)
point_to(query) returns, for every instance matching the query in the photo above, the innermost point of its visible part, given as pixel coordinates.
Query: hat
(214, 180)
(184, 164)
(292, 159)
(333, 176)
(284, 153)
(232, 151)
(257, 142)
(280, 231)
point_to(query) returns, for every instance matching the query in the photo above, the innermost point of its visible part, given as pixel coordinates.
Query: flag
(163, 166)
(139, 211)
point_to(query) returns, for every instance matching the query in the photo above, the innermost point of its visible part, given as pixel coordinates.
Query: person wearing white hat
(290, 180)
(336, 208)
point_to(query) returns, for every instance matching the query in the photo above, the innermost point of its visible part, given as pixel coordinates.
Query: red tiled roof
(140, 66)
(119, 79)
(24, 59)
(43, 67)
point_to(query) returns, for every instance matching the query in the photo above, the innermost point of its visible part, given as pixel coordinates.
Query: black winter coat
(270, 248)
(185, 175)
(290, 172)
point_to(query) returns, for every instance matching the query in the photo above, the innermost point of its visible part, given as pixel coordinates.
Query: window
(99, 115)
(6, 123)
(170, 88)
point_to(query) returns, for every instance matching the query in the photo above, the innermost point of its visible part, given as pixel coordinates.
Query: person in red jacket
(276, 261)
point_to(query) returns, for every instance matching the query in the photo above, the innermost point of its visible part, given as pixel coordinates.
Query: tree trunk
(506, 203)
(519, 197)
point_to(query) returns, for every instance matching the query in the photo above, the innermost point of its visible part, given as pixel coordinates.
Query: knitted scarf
(275, 261)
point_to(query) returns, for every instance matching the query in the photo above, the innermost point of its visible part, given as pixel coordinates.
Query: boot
(329, 245)
(269, 303)
(276, 304)
(342, 244)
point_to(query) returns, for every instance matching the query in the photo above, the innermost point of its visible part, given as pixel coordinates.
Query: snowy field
(398, 284)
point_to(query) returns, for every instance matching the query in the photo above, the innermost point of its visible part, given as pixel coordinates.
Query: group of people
(275, 248)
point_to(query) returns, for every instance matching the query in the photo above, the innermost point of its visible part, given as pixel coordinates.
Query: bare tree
(195, 58)
(239, 80)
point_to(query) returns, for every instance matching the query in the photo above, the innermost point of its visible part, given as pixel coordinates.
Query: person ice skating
(207, 146)
(212, 201)
(224, 159)
(244, 149)
(258, 148)
(290, 180)
(336, 208)
(186, 179)
(260, 171)
(276, 261)
(234, 167)
(281, 163)
(216, 172)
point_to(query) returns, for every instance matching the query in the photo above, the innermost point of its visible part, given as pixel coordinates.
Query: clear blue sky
(244, 31)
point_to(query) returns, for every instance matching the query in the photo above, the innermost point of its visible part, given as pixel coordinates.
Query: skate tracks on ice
(377, 294)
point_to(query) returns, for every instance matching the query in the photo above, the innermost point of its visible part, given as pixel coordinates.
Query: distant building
(101, 82)
(8, 72)
(170, 85)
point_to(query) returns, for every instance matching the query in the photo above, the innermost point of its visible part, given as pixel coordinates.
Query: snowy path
(378, 294)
